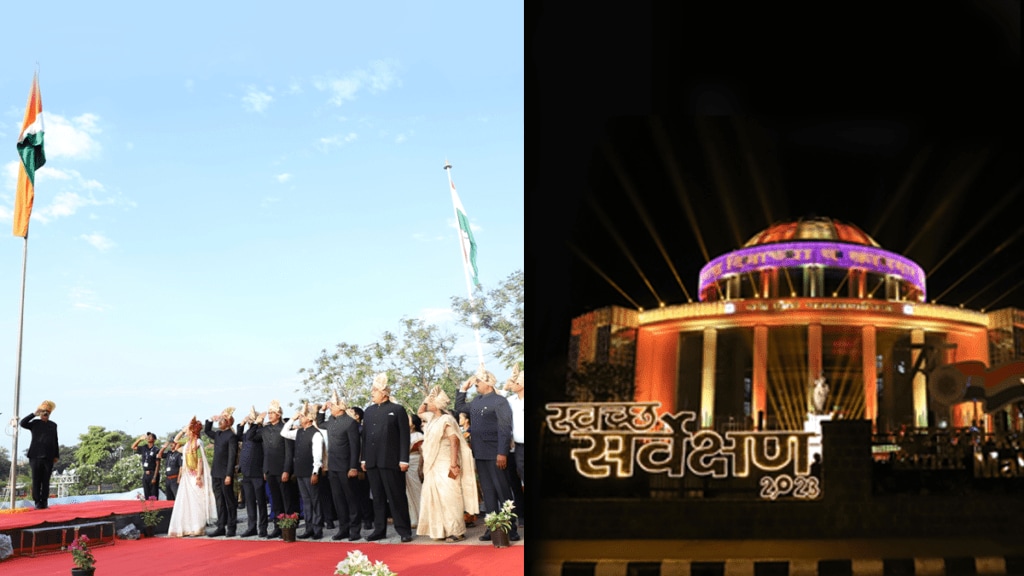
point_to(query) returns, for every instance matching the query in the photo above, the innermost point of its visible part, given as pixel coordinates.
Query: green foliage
(499, 315)
(126, 473)
(65, 459)
(416, 359)
(89, 476)
(98, 447)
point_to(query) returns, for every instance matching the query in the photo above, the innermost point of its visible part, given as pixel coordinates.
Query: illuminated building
(798, 300)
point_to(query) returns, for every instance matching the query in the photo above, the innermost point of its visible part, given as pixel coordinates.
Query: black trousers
(41, 468)
(494, 483)
(343, 490)
(363, 505)
(227, 505)
(255, 503)
(327, 511)
(311, 505)
(148, 487)
(171, 488)
(387, 486)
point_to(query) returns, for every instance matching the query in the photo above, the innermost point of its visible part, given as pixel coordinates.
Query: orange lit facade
(800, 300)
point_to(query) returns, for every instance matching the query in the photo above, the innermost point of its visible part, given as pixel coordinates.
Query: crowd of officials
(333, 466)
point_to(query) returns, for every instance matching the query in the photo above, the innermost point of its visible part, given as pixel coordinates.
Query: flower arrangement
(150, 516)
(80, 553)
(287, 520)
(502, 519)
(358, 564)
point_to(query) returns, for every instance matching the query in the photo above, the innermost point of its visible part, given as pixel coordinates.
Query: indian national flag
(465, 236)
(30, 148)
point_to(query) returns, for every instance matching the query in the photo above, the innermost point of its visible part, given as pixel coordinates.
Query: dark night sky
(903, 122)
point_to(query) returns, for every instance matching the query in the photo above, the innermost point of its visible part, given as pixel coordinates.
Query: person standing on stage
(171, 458)
(491, 418)
(385, 458)
(250, 464)
(364, 505)
(43, 452)
(150, 455)
(277, 462)
(308, 461)
(343, 467)
(516, 386)
(225, 449)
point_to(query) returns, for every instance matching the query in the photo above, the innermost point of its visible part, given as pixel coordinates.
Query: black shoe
(318, 536)
(263, 534)
(355, 538)
(514, 537)
(337, 536)
(275, 534)
(373, 537)
(407, 538)
(367, 525)
(304, 535)
(241, 505)
(485, 538)
(248, 533)
(230, 534)
(217, 532)
(330, 525)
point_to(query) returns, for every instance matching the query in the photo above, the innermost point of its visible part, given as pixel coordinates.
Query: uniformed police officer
(172, 467)
(150, 465)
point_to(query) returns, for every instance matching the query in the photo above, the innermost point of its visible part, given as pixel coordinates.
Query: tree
(415, 360)
(126, 473)
(89, 475)
(419, 360)
(65, 459)
(499, 315)
(98, 447)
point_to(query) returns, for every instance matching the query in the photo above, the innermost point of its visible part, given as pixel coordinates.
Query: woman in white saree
(449, 474)
(194, 507)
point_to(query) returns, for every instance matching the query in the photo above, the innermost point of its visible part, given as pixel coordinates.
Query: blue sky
(228, 191)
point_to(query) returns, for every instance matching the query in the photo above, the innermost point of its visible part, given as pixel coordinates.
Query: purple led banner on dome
(797, 254)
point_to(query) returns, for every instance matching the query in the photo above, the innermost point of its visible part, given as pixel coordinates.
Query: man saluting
(42, 452)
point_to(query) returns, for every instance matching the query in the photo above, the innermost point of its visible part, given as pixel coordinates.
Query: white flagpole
(465, 265)
(12, 483)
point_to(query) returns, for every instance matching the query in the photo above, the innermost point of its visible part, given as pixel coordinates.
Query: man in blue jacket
(491, 418)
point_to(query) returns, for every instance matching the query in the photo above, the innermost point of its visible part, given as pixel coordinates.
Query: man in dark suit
(385, 451)
(277, 462)
(250, 464)
(343, 468)
(43, 452)
(222, 471)
(491, 418)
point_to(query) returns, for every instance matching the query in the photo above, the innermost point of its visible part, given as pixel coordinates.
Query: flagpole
(12, 483)
(465, 269)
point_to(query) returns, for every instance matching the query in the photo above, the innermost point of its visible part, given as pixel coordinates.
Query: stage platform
(24, 524)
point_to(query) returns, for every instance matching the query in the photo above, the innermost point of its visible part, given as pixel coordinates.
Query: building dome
(812, 229)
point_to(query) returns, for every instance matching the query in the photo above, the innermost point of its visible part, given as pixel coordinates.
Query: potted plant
(150, 515)
(287, 524)
(500, 524)
(84, 561)
(358, 564)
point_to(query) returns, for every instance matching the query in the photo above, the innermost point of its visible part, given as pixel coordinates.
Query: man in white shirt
(517, 401)
(308, 459)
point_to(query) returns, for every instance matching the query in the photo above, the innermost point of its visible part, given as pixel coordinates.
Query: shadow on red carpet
(186, 556)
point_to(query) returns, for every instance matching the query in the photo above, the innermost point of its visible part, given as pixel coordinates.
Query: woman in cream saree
(449, 474)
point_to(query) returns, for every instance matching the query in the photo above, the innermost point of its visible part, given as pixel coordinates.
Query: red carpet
(59, 513)
(187, 556)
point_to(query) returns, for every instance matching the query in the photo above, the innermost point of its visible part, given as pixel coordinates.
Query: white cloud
(295, 87)
(98, 241)
(282, 178)
(190, 85)
(85, 299)
(256, 101)
(381, 76)
(70, 138)
(400, 138)
(437, 315)
(129, 146)
(328, 142)
(420, 237)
